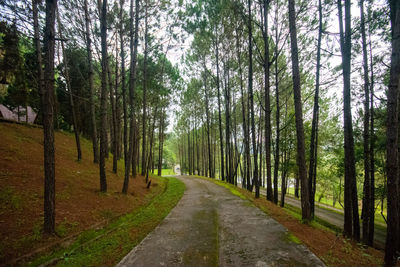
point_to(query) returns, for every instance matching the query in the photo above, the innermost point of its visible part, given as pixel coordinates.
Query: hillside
(79, 204)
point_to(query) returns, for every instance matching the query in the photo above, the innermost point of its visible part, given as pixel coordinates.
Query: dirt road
(210, 226)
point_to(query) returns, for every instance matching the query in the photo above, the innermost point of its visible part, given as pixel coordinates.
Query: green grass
(108, 245)
(167, 172)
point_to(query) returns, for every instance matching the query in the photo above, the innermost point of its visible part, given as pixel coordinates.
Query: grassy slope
(108, 245)
(329, 246)
(79, 204)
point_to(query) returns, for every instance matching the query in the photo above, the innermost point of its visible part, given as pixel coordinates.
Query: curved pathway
(210, 226)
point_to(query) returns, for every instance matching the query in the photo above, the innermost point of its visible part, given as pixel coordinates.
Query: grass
(323, 239)
(108, 245)
(167, 172)
(79, 204)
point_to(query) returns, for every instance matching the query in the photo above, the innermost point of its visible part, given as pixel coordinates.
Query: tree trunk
(123, 87)
(367, 180)
(134, 33)
(103, 100)
(222, 173)
(371, 225)
(351, 219)
(150, 156)
(314, 125)
(71, 98)
(277, 118)
(91, 89)
(114, 135)
(270, 196)
(48, 118)
(144, 90)
(392, 161)
(301, 157)
(46, 90)
(253, 129)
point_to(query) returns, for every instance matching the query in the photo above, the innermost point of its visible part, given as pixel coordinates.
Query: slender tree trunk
(392, 161)
(314, 125)
(253, 129)
(367, 180)
(286, 158)
(113, 119)
(208, 127)
(160, 143)
(46, 91)
(103, 100)
(371, 225)
(48, 118)
(134, 33)
(351, 219)
(91, 89)
(144, 90)
(270, 196)
(301, 157)
(150, 157)
(71, 98)
(123, 87)
(222, 173)
(277, 118)
(246, 157)
(227, 125)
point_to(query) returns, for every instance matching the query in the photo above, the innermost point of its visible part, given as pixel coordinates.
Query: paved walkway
(211, 227)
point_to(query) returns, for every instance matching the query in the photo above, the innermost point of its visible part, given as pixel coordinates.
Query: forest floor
(210, 226)
(79, 204)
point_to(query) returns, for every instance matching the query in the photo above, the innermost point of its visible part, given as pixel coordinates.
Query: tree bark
(392, 161)
(208, 126)
(351, 219)
(144, 90)
(301, 157)
(222, 173)
(271, 196)
(371, 225)
(367, 180)
(113, 118)
(123, 87)
(103, 99)
(253, 129)
(134, 33)
(277, 118)
(314, 125)
(48, 118)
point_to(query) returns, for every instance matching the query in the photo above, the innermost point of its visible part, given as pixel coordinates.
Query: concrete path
(211, 227)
